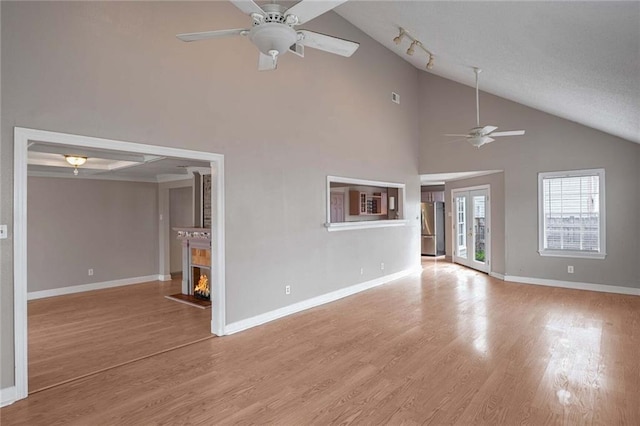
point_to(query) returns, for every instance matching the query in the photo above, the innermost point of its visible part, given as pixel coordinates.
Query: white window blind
(572, 213)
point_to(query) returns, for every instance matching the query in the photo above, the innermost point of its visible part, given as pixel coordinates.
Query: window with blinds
(571, 213)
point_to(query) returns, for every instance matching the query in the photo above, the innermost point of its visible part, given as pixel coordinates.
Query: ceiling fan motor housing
(273, 36)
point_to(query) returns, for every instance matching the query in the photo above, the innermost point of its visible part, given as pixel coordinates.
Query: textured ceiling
(577, 60)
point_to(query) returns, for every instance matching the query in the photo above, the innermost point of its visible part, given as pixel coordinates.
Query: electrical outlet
(3, 232)
(90, 272)
(287, 289)
(570, 269)
(382, 266)
(361, 271)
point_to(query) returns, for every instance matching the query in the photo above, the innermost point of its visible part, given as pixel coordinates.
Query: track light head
(430, 63)
(399, 37)
(412, 49)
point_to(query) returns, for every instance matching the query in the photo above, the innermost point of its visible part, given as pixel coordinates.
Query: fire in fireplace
(201, 291)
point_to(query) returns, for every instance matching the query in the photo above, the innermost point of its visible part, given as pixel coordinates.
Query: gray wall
(77, 224)
(116, 70)
(496, 202)
(550, 143)
(180, 215)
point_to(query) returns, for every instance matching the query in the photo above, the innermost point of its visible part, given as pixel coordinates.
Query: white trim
(59, 175)
(33, 295)
(363, 182)
(316, 301)
(573, 254)
(22, 136)
(574, 285)
(164, 277)
(7, 396)
(20, 161)
(344, 226)
(496, 275)
(218, 316)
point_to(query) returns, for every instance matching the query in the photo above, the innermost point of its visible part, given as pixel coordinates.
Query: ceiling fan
(479, 136)
(272, 30)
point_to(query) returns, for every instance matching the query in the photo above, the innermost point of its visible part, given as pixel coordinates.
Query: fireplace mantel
(194, 234)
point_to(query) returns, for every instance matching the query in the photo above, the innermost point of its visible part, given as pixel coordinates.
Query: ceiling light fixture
(75, 161)
(412, 48)
(430, 63)
(399, 37)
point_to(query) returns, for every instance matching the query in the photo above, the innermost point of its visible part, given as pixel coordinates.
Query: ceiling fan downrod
(477, 71)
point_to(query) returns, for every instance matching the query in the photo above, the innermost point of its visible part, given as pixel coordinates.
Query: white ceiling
(48, 160)
(576, 60)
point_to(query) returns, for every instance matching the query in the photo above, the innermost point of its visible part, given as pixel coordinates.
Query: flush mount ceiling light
(412, 48)
(75, 161)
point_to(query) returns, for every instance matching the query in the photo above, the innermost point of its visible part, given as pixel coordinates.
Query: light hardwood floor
(450, 347)
(77, 334)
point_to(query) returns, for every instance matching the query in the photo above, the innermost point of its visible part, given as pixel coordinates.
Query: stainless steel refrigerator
(432, 228)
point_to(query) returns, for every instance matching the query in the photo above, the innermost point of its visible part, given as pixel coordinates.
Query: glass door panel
(461, 226)
(479, 227)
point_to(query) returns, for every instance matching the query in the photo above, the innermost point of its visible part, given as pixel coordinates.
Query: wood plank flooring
(452, 346)
(77, 334)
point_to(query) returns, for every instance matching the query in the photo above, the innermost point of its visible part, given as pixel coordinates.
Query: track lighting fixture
(399, 37)
(412, 48)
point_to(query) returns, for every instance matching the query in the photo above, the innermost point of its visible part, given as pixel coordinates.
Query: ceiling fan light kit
(412, 47)
(273, 31)
(479, 136)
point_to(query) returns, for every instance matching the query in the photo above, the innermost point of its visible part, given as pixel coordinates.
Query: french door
(471, 218)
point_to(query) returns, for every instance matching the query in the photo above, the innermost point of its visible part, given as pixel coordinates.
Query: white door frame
(22, 138)
(454, 220)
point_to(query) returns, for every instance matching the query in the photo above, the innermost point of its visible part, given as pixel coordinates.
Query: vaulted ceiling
(577, 60)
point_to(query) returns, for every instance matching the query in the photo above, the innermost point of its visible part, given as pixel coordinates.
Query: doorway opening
(471, 227)
(23, 138)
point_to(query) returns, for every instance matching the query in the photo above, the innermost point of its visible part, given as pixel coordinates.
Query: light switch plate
(3, 232)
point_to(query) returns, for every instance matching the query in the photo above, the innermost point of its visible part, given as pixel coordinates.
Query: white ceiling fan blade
(297, 49)
(457, 135)
(248, 6)
(306, 10)
(488, 129)
(508, 133)
(480, 140)
(267, 63)
(328, 43)
(211, 34)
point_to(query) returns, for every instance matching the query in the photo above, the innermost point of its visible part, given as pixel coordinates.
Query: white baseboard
(164, 277)
(7, 396)
(574, 285)
(32, 295)
(497, 275)
(315, 301)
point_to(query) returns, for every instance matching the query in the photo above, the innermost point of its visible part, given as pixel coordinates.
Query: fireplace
(196, 267)
(201, 281)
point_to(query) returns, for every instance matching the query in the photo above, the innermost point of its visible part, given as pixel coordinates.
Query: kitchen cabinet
(371, 204)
